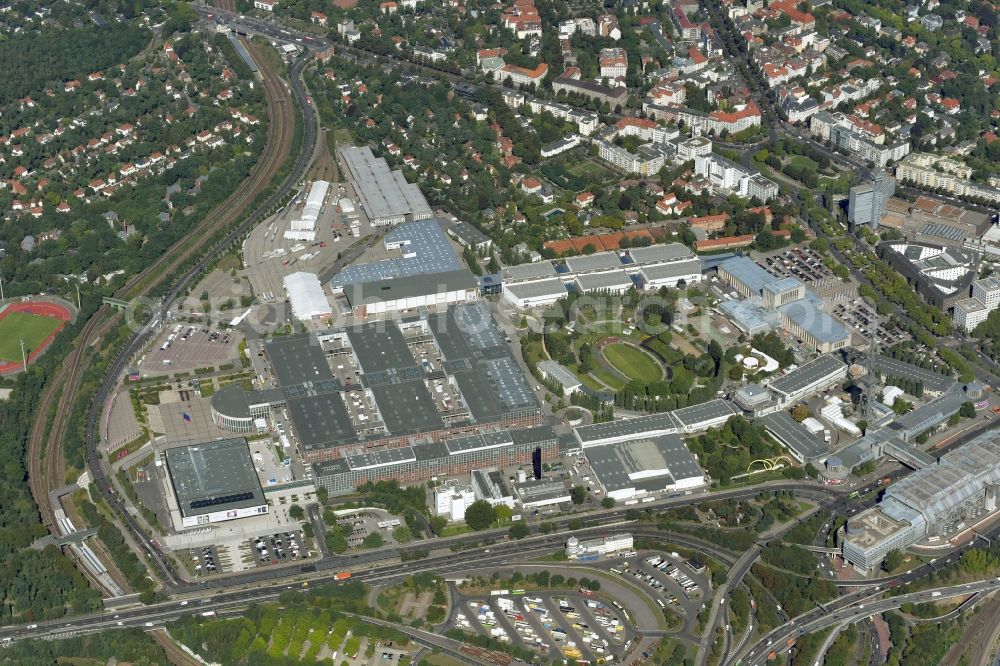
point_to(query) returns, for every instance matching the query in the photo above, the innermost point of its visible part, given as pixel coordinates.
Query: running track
(36, 308)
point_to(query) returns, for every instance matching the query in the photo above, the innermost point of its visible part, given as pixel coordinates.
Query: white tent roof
(307, 295)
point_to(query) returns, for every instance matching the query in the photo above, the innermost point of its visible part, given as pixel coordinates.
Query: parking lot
(570, 625)
(188, 346)
(672, 582)
(859, 315)
(359, 525)
(273, 549)
(207, 560)
(800, 262)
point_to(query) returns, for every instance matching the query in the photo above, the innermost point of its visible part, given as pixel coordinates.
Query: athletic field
(33, 329)
(633, 363)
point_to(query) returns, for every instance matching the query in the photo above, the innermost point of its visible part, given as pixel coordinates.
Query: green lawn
(17, 326)
(804, 162)
(633, 363)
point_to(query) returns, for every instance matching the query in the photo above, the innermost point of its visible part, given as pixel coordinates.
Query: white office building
(609, 545)
(451, 499)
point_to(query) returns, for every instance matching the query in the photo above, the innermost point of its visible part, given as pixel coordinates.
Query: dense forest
(30, 61)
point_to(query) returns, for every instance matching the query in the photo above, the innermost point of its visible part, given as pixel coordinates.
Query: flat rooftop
(590, 435)
(462, 345)
(657, 254)
(538, 270)
(649, 463)
(383, 193)
(426, 250)
(932, 381)
(600, 261)
(806, 446)
(616, 279)
(704, 413)
(215, 476)
(816, 322)
(550, 288)
(398, 288)
(748, 273)
(673, 269)
(808, 374)
(298, 359)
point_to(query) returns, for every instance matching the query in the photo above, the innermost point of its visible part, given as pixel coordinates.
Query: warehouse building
(469, 236)
(809, 379)
(556, 372)
(615, 282)
(416, 248)
(538, 493)
(417, 463)
(214, 482)
(645, 466)
(401, 295)
(532, 285)
(385, 195)
(387, 384)
(803, 445)
(938, 501)
(309, 301)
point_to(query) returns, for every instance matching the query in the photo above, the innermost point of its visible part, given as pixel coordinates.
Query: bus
(856, 494)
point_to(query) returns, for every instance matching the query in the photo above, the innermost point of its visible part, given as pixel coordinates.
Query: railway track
(99, 474)
(66, 383)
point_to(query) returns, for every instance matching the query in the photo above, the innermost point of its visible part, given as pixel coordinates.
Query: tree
(608, 502)
(893, 559)
(373, 540)
(402, 534)
(967, 410)
(322, 494)
(578, 494)
(296, 512)
(438, 523)
(480, 515)
(518, 530)
(800, 413)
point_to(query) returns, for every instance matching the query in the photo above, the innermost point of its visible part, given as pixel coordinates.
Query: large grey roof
(321, 421)
(551, 287)
(748, 272)
(383, 193)
(298, 359)
(215, 476)
(932, 381)
(617, 279)
(406, 287)
(427, 251)
(646, 463)
(407, 407)
(468, 234)
(637, 427)
(655, 254)
(816, 322)
(806, 375)
(671, 269)
(559, 373)
(794, 435)
(530, 271)
(958, 476)
(593, 262)
(380, 347)
(473, 350)
(703, 413)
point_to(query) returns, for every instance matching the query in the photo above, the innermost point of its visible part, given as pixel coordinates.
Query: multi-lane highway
(848, 609)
